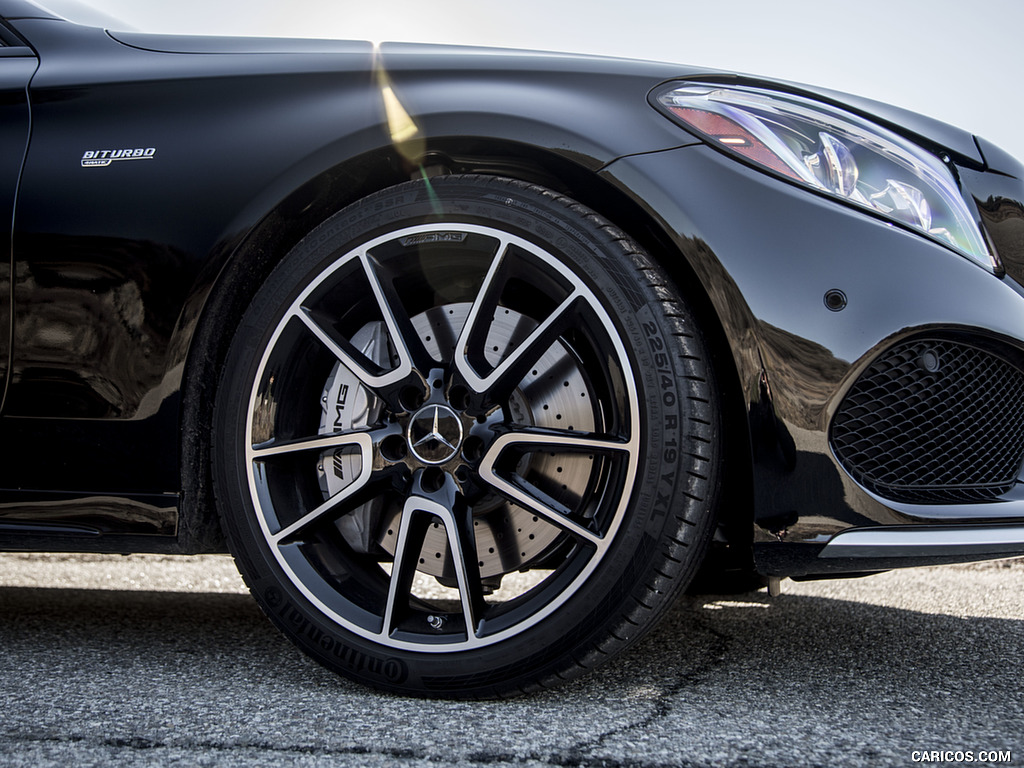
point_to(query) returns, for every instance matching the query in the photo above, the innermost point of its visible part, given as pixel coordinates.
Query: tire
(470, 524)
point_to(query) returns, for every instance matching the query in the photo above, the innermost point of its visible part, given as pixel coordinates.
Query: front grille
(934, 421)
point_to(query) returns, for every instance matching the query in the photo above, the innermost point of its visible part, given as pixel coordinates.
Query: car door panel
(17, 64)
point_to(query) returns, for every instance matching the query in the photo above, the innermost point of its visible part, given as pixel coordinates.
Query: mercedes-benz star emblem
(435, 434)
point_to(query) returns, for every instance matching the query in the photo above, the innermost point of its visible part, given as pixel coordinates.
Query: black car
(473, 358)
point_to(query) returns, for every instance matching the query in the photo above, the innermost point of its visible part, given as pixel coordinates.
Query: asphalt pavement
(149, 660)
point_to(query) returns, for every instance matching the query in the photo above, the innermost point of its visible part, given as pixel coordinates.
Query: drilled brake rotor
(555, 394)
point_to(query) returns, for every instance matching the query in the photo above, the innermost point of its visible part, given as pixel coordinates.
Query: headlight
(835, 152)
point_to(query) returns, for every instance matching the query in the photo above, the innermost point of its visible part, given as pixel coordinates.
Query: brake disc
(555, 394)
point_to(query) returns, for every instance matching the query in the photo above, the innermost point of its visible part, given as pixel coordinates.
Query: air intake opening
(934, 421)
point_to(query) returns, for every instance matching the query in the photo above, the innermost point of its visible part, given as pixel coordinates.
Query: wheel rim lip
(631, 447)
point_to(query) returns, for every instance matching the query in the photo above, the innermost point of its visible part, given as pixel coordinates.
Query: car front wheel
(466, 440)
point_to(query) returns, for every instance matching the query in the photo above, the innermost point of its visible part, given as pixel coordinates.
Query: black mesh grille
(934, 420)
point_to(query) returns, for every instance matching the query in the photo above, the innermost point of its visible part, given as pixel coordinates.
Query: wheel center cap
(435, 434)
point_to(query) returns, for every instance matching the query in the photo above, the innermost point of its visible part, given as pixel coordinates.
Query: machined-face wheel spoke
(527, 494)
(406, 341)
(499, 383)
(346, 355)
(339, 502)
(527, 437)
(411, 532)
(332, 507)
(363, 440)
(474, 332)
(457, 520)
(402, 345)
(530, 497)
(458, 524)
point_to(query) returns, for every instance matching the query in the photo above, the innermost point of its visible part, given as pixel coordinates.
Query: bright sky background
(959, 61)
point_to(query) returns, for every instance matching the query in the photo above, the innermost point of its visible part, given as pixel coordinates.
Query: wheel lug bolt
(458, 397)
(432, 479)
(411, 398)
(392, 448)
(473, 449)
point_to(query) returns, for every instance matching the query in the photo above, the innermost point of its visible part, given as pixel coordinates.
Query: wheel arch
(223, 297)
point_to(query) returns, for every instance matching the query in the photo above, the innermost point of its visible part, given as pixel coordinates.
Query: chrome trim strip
(927, 541)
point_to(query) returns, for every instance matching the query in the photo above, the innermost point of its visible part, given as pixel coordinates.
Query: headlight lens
(836, 152)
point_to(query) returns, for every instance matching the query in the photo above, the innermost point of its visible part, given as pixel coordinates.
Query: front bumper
(767, 254)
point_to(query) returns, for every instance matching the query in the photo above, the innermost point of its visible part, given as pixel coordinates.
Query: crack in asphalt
(99, 678)
(141, 744)
(565, 759)
(580, 754)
